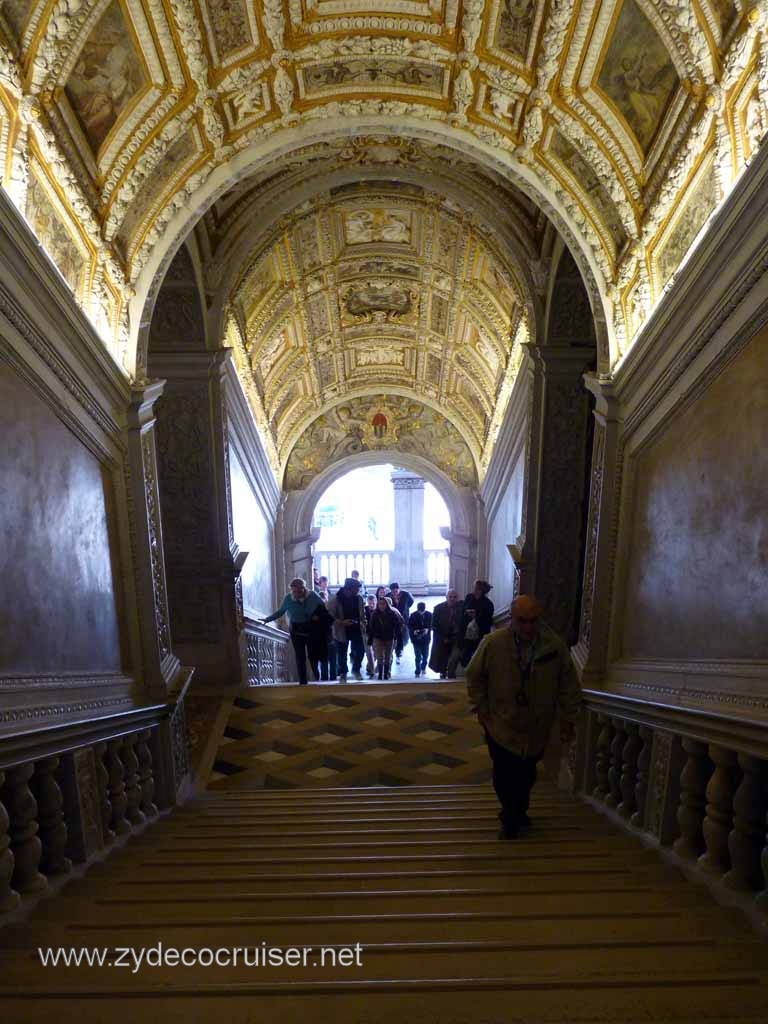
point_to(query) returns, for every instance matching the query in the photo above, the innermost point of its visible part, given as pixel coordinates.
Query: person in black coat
(478, 619)
(402, 602)
(419, 626)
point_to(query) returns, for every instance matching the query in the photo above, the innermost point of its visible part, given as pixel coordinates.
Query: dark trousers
(513, 779)
(301, 649)
(401, 640)
(421, 650)
(357, 653)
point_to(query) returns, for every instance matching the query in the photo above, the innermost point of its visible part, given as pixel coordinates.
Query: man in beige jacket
(517, 680)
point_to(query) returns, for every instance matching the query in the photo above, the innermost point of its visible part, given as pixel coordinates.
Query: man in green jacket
(517, 680)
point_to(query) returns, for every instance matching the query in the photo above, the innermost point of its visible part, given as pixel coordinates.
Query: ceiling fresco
(619, 124)
(388, 423)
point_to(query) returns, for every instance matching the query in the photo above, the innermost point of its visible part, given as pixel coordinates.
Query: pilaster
(591, 651)
(201, 555)
(562, 483)
(532, 369)
(160, 663)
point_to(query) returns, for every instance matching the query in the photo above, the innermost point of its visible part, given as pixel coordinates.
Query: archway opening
(388, 523)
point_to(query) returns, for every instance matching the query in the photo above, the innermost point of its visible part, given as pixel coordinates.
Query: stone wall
(504, 528)
(253, 533)
(58, 603)
(697, 581)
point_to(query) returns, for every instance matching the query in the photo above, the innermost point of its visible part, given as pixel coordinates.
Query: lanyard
(524, 665)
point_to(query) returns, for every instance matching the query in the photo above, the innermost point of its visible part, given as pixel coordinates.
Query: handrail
(691, 779)
(265, 654)
(741, 732)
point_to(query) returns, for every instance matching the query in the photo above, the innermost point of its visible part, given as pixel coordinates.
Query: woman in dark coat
(478, 609)
(386, 624)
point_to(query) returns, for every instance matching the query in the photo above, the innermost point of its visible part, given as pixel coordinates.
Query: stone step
(191, 886)
(513, 999)
(523, 900)
(230, 893)
(559, 962)
(451, 926)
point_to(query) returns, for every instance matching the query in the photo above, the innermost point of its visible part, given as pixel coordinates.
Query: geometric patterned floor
(342, 735)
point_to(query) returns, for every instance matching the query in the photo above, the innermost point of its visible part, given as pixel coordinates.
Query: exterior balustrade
(677, 776)
(373, 566)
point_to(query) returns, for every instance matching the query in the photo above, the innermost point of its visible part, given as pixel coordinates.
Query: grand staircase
(431, 917)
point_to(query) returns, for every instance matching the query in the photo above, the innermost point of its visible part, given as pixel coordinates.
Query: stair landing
(366, 734)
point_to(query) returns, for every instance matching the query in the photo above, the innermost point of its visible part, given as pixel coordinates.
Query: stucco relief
(687, 225)
(390, 422)
(312, 291)
(111, 88)
(377, 225)
(379, 302)
(47, 224)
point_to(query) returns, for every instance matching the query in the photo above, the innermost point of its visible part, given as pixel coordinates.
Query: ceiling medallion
(380, 429)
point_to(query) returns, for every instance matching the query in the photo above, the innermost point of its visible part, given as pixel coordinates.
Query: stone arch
(282, 143)
(463, 507)
(568, 321)
(364, 391)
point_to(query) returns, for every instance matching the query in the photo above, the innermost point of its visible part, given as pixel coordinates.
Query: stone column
(591, 650)
(160, 664)
(408, 562)
(200, 551)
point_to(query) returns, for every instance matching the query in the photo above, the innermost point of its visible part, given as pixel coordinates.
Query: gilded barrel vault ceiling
(373, 285)
(620, 124)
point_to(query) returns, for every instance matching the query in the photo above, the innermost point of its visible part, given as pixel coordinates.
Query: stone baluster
(9, 898)
(105, 805)
(25, 843)
(630, 755)
(719, 817)
(146, 774)
(602, 758)
(613, 798)
(134, 812)
(118, 823)
(50, 817)
(643, 770)
(693, 787)
(746, 840)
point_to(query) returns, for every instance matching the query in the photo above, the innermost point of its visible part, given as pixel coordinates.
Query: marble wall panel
(57, 604)
(697, 581)
(253, 533)
(504, 529)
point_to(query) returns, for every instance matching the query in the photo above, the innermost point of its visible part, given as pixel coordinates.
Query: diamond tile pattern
(341, 735)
